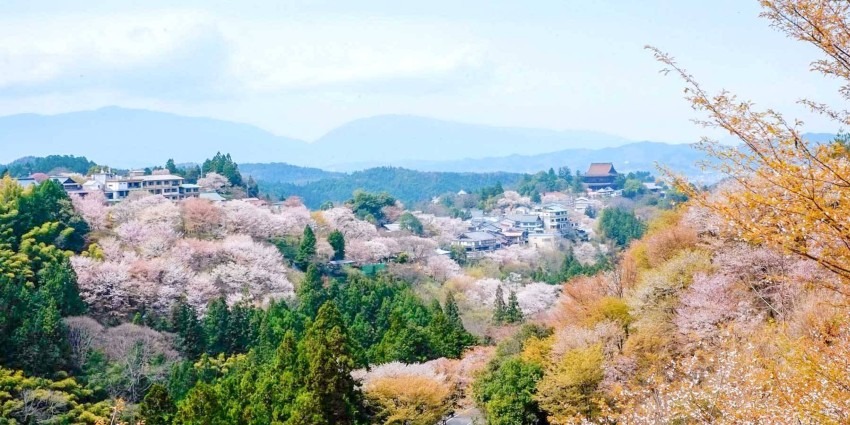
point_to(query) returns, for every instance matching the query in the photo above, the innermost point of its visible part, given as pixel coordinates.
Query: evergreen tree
(329, 362)
(191, 340)
(499, 308)
(217, 327)
(513, 314)
(307, 249)
(409, 222)
(157, 408)
(171, 167)
(311, 293)
(337, 241)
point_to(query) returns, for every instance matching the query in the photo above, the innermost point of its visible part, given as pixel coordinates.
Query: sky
(301, 68)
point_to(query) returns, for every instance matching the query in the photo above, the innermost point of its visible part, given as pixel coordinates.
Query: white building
(116, 188)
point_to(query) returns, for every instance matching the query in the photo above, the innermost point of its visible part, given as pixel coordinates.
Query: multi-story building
(477, 242)
(555, 217)
(117, 188)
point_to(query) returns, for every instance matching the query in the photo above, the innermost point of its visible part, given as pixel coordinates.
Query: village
(559, 220)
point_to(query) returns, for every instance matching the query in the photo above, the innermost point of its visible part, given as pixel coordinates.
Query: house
(211, 196)
(477, 242)
(581, 204)
(555, 217)
(652, 187)
(513, 236)
(116, 188)
(26, 182)
(600, 175)
(543, 239)
(527, 222)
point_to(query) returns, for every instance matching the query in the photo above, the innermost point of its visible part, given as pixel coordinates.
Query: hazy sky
(300, 68)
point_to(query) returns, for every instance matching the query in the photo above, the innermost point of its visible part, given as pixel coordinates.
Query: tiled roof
(601, 169)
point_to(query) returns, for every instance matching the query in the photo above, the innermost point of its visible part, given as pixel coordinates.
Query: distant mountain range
(130, 138)
(135, 138)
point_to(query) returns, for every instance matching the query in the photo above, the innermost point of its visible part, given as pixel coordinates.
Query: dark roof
(601, 169)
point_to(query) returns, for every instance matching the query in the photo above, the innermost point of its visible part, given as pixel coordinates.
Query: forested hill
(279, 172)
(407, 185)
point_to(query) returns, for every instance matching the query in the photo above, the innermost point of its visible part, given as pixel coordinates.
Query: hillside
(279, 172)
(406, 185)
(629, 157)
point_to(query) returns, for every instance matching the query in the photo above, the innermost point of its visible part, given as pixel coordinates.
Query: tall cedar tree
(327, 350)
(337, 241)
(513, 314)
(191, 339)
(311, 294)
(307, 249)
(499, 309)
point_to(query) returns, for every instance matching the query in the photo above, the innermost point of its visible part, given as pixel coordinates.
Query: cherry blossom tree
(213, 182)
(93, 208)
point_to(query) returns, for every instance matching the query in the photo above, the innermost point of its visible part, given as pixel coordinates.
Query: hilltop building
(600, 175)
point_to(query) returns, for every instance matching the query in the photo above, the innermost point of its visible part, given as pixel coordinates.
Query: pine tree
(499, 309)
(513, 314)
(311, 293)
(307, 249)
(329, 362)
(337, 241)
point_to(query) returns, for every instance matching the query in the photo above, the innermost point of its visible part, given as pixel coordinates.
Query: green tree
(171, 167)
(409, 222)
(337, 241)
(620, 225)
(307, 249)
(191, 339)
(499, 308)
(217, 327)
(506, 393)
(329, 362)
(311, 293)
(632, 188)
(513, 314)
(157, 408)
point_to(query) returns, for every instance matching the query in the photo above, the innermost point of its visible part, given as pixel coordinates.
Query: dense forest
(409, 186)
(24, 167)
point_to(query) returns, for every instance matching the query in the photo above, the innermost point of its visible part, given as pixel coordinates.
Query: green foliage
(513, 314)
(337, 241)
(633, 188)
(307, 248)
(63, 401)
(158, 408)
(505, 393)
(500, 310)
(191, 338)
(369, 206)
(224, 165)
(570, 268)
(50, 164)
(620, 225)
(311, 292)
(409, 222)
(409, 186)
(37, 284)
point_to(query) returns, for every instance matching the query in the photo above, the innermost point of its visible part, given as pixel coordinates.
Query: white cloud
(172, 50)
